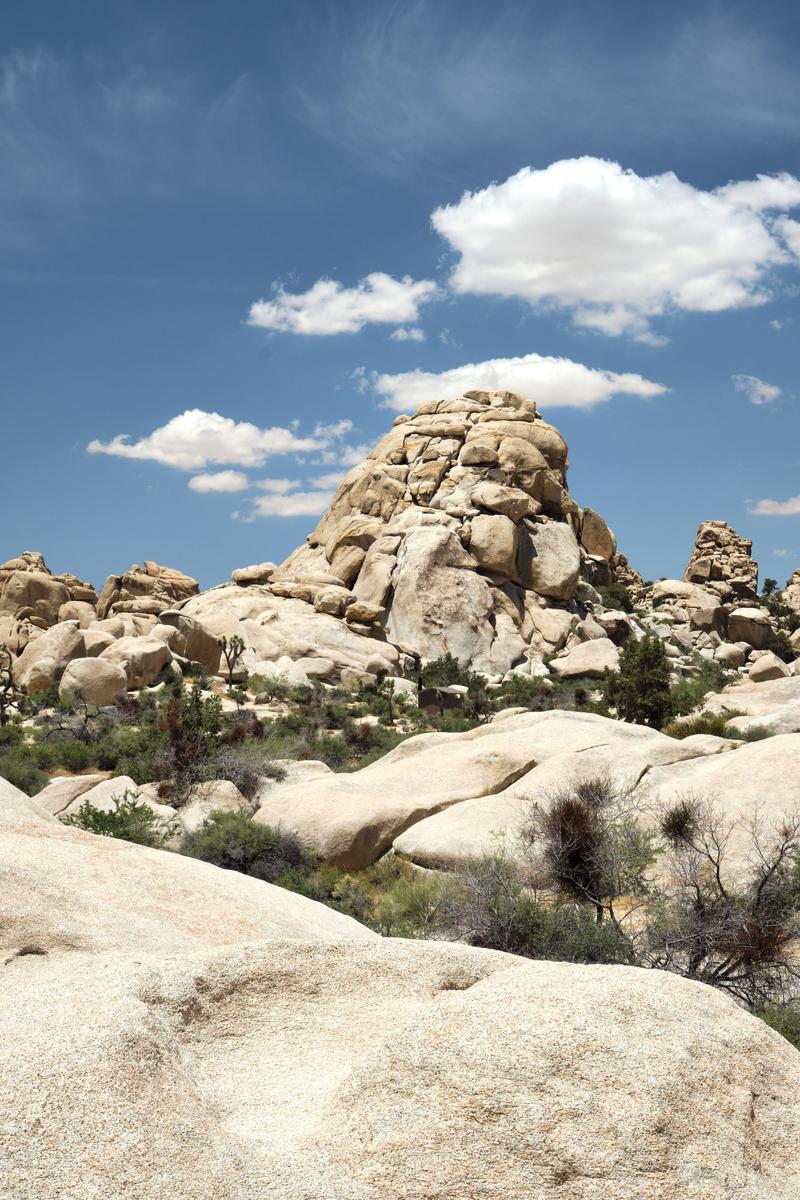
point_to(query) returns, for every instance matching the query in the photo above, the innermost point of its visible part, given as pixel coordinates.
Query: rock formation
(456, 534)
(791, 593)
(275, 1047)
(721, 561)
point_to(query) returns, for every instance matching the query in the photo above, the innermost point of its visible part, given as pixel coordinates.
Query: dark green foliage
(785, 1019)
(780, 646)
(447, 670)
(18, 767)
(712, 723)
(616, 596)
(233, 841)
(640, 690)
(130, 819)
(770, 586)
(782, 612)
(686, 696)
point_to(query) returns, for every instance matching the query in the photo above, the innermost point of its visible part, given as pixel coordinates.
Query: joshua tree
(232, 649)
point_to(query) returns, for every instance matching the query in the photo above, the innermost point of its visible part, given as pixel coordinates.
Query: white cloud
(295, 504)
(331, 480)
(345, 456)
(334, 431)
(616, 250)
(328, 308)
(407, 334)
(551, 382)
(756, 390)
(197, 439)
(278, 486)
(777, 508)
(782, 552)
(220, 481)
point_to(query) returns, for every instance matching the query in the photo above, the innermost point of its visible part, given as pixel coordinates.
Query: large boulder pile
(276, 1047)
(791, 593)
(721, 561)
(456, 534)
(149, 589)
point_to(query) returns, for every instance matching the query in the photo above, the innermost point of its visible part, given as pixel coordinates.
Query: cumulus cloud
(757, 390)
(551, 382)
(293, 504)
(615, 249)
(777, 508)
(220, 481)
(331, 480)
(277, 486)
(407, 334)
(328, 307)
(197, 439)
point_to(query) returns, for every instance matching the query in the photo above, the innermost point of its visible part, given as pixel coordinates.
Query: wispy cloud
(782, 552)
(551, 382)
(756, 390)
(220, 481)
(776, 508)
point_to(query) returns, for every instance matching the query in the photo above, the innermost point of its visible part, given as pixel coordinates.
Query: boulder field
(170, 1029)
(457, 533)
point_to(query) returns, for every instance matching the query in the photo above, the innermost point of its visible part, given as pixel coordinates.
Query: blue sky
(446, 170)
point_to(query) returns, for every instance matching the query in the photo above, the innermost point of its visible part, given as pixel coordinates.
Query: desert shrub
(130, 819)
(616, 595)
(785, 1019)
(781, 646)
(390, 896)
(491, 908)
(233, 841)
(687, 694)
(712, 723)
(639, 690)
(19, 767)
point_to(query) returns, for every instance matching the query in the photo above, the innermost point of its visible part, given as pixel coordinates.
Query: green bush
(130, 819)
(785, 1019)
(712, 723)
(616, 596)
(233, 841)
(19, 767)
(781, 646)
(686, 696)
(640, 690)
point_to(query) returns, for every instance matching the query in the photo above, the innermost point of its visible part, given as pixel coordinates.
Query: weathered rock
(217, 795)
(43, 660)
(549, 560)
(59, 794)
(768, 666)
(141, 658)
(147, 589)
(791, 593)
(493, 545)
(721, 560)
(688, 595)
(277, 1046)
(34, 591)
(78, 610)
(590, 660)
(596, 537)
(193, 641)
(751, 625)
(92, 680)
(258, 573)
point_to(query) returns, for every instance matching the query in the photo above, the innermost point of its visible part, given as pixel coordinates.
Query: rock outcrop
(454, 535)
(722, 561)
(173, 1029)
(149, 589)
